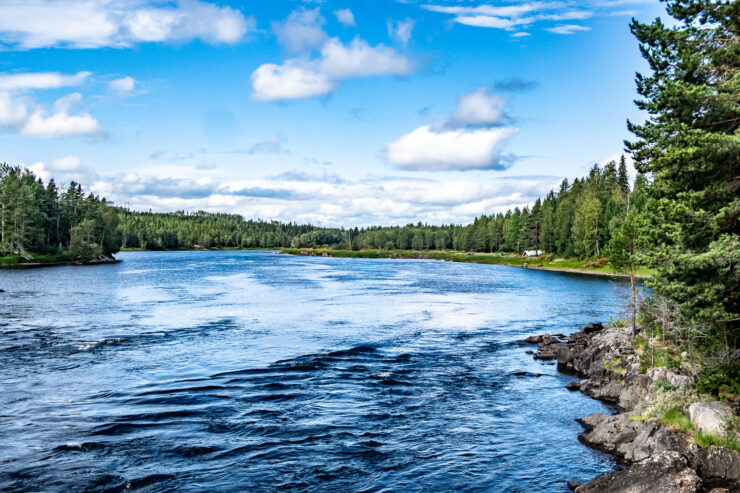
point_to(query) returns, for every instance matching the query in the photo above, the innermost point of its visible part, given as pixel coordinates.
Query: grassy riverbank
(41, 259)
(544, 263)
(36, 258)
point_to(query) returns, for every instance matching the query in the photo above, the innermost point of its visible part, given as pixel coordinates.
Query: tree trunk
(633, 282)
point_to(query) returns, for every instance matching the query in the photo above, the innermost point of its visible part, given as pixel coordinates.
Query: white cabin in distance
(532, 253)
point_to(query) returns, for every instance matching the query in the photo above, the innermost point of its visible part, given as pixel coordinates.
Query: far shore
(570, 266)
(56, 263)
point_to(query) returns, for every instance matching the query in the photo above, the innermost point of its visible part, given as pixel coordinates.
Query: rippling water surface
(252, 371)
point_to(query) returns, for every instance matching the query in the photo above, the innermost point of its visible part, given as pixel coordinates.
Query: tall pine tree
(690, 147)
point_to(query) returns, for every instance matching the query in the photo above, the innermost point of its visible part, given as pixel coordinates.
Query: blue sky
(336, 113)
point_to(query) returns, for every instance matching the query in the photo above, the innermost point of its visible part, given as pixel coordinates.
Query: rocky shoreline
(656, 459)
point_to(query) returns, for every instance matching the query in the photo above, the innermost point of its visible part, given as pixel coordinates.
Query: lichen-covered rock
(627, 439)
(631, 395)
(663, 374)
(667, 472)
(607, 432)
(719, 467)
(710, 417)
(651, 438)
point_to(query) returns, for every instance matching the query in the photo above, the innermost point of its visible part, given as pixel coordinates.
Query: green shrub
(664, 386)
(665, 401)
(677, 420)
(10, 260)
(704, 439)
(722, 380)
(655, 356)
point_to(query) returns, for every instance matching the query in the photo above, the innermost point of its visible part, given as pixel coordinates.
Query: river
(254, 371)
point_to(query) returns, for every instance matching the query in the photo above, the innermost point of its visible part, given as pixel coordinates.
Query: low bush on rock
(704, 439)
(677, 421)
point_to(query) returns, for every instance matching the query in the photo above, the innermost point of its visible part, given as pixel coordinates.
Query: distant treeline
(184, 230)
(577, 221)
(42, 219)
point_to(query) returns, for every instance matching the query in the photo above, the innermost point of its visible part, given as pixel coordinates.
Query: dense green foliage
(45, 220)
(182, 230)
(719, 380)
(690, 147)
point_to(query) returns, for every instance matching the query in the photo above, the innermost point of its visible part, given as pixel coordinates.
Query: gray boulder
(710, 417)
(607, 432)
(667, 472)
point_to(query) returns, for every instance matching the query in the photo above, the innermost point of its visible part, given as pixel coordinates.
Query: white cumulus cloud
(470, 138)
(292, 80)
(359, 59)
(345, 17)
(22, 116)
(60, 122)
(478, 108)
(440, 150)
(28, 24)
(300, 78)
(12, 111)
(65, 170)
(40, 80)
(123, 86)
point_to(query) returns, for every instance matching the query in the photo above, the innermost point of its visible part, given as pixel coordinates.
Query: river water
(253, 371)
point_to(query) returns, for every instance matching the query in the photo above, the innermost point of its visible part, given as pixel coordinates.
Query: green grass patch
(676, 420)
(36, 258)
(613, 365)
(10, 260)
(657, 355)
(708, 439)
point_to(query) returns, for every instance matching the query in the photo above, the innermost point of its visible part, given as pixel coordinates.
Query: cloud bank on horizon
(105, 23)
(312, 112)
